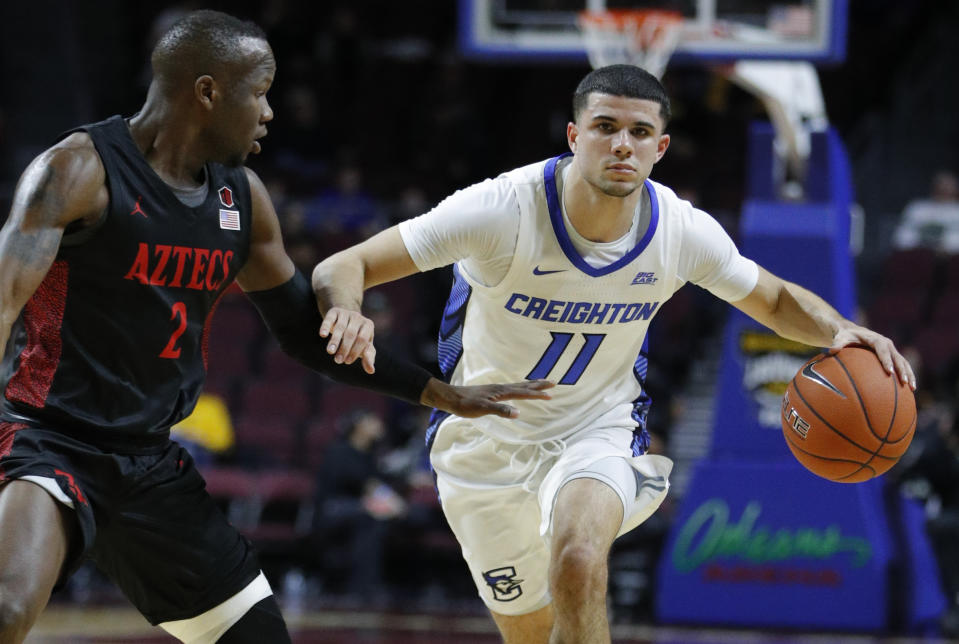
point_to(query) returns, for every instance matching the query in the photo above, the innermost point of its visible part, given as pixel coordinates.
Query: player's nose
(621, 142)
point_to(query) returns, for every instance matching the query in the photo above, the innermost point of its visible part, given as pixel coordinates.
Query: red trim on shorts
(8, 432)
(72, 485)
(42, 319)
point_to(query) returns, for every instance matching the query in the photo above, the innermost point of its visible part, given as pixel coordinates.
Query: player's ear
(661, 147)
(572, 133)
(205, 90)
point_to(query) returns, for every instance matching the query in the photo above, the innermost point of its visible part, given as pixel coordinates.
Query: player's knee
(579, 568)
(16, 614)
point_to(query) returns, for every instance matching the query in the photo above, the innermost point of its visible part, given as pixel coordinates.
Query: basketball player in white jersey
(559, 268)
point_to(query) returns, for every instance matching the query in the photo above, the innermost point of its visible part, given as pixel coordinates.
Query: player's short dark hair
(202, 42)
(622, 80)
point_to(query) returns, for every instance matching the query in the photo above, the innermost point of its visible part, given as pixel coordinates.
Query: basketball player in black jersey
(120, 241)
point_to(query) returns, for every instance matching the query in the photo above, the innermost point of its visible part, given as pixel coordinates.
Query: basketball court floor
(64, 623)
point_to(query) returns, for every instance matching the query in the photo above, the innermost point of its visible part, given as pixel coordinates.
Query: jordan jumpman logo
(137, 208)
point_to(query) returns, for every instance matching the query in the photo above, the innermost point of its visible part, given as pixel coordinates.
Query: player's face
(616, 141)
(244, 111)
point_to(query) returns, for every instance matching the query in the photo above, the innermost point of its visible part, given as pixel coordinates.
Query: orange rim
(623, 17)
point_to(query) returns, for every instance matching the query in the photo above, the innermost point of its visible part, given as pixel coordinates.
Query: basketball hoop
(642, 37)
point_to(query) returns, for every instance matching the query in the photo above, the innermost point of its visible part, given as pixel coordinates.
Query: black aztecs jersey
(112, 346)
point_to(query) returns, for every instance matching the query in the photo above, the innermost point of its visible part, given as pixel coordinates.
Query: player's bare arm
(798, 314)
(339, 282)
(66, 183)
(269, 267)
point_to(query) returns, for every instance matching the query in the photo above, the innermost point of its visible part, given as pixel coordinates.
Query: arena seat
(284, 505)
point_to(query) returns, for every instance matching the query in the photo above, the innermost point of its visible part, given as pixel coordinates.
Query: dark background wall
(392, 71)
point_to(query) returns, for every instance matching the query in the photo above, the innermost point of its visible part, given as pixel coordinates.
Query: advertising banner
(771, 545)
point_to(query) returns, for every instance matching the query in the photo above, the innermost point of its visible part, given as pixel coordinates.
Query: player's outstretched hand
(890, 358)
(351, 337)
(480, 400)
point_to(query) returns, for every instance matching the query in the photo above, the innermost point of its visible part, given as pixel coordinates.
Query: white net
(792, 96)
(645, 38)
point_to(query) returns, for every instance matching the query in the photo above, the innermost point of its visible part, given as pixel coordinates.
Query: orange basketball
(845, 418)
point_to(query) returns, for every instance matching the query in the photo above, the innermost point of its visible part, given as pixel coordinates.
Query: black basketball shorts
(145, 520)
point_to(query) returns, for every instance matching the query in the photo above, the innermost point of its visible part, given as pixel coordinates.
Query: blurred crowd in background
(377, 118)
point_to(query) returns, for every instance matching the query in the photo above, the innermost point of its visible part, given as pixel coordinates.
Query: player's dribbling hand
(351, 337)
(480, 400)
(890, 358)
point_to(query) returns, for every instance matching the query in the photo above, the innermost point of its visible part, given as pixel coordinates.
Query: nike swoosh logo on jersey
(537, 271)
(816, 377)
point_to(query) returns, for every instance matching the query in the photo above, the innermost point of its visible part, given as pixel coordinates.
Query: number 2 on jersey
(556, 349)
(171, 350)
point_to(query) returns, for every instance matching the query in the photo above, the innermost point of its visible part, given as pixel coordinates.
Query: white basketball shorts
(498, 499)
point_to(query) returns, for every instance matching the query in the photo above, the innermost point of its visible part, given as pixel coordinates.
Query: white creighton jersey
(555, 316)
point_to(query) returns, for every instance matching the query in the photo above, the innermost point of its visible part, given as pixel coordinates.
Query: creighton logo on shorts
(503, 581)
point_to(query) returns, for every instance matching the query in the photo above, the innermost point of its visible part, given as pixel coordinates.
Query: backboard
(713, 30)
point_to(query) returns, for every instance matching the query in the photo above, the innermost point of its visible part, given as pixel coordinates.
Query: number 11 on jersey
(558, 347)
